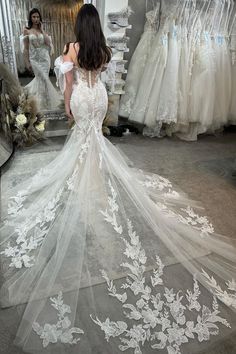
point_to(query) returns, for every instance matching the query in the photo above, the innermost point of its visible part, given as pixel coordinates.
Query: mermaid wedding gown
(41, 87)
(91, 245)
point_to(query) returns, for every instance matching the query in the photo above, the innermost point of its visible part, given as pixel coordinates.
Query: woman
(37, 50)
(72, 231)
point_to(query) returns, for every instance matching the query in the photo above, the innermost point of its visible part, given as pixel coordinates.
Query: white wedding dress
(85, 241)
(41, 87)
(138, 63)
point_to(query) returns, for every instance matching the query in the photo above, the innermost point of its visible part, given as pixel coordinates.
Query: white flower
(21, 119)
(41, 126)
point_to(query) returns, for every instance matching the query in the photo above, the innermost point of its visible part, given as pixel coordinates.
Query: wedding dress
(92, 245)
(41, 87)
(138, 63)
(145, 105)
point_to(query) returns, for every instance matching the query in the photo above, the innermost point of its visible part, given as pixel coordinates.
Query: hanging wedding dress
(233, 70)
(41, 87)
(91, 245)
(138, 63)
(163, 102)
(148, 92)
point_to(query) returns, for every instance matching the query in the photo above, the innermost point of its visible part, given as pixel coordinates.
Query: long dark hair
(33, 11)
(93, 51)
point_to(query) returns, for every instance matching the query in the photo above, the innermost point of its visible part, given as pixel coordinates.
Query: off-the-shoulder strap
(61, 68)
(22, 44)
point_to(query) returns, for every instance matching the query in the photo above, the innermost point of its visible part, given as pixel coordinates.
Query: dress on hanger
(163, 102)
(153, 72)
(138, 63)
(80, 240)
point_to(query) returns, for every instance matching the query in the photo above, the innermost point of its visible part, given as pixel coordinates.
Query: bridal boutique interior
(171, 109)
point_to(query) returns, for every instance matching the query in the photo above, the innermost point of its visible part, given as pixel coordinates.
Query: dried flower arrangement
(26, 122)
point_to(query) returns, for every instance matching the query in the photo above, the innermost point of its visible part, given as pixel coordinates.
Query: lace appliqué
(61, 331)
(84, 148)
(227, 298)
(110, 214)
(16, 203)
(71, 181)
(159, 318)
(189, 217)
(15, 206)
(20, 254)
(160, 183)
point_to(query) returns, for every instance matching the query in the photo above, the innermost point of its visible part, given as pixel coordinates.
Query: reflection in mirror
(40, 31)
(6, 146)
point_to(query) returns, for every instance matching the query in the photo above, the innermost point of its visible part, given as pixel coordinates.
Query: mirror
(6, 145)
(40, 31)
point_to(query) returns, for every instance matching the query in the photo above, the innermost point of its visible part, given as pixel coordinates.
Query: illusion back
(88, 100)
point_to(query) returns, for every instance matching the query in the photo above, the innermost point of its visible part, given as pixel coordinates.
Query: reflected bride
(37, 47)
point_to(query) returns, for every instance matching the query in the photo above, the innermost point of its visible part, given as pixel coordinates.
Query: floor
(204, 169)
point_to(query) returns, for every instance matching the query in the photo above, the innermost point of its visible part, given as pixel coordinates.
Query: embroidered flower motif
(71, 181)
(228, 298)
(157, 182)
(200, 223)
(84, 148)
(30, 235)
(16, 203)
(110, 215)
(61, 331)
(159, 317)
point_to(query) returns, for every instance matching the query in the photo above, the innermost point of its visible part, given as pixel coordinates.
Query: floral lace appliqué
(110, 214)
(61, 331)
(25, 243)
(157, 317)
(162, 317)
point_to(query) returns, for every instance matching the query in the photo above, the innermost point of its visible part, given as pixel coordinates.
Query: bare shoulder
(26, 31)
(71, 51)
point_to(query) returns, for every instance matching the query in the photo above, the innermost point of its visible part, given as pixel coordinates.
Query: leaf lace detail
(110, 215)
(228, 298)
(71, 181)
(16, 203)
(25, 244)
(159, 316)
(189, 217)
(84, 148)
(161, 184)
(61, 331)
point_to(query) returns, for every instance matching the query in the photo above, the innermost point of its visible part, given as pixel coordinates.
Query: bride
(91, 245)
(38, 47)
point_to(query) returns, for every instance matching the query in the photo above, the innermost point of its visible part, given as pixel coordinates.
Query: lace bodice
(36, 40)
(80, 74)
(88, 76)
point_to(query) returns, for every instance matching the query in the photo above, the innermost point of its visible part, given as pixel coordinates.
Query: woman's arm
(47, 38)
(26, 49)
(69, 77)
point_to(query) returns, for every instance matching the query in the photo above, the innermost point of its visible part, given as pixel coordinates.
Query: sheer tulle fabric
(81, 239)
